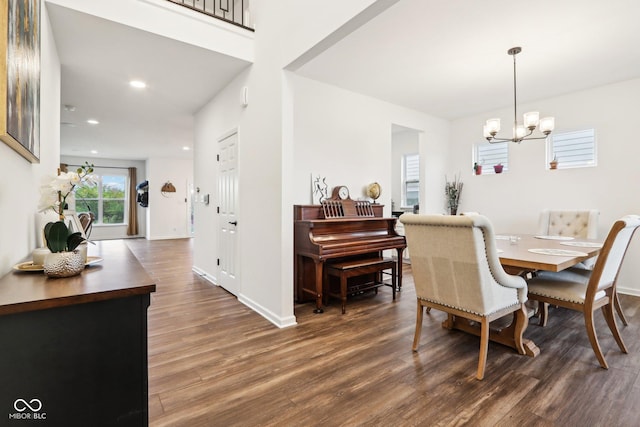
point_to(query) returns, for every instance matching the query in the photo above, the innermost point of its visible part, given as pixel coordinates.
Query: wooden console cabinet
(74, 350)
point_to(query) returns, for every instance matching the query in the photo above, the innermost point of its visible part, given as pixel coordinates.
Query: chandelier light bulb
(493, 126)
(531, 119)
(547, 125)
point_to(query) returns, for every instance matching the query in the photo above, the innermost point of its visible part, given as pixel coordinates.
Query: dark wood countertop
(118, 275)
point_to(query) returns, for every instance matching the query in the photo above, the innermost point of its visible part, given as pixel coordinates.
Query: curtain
(132, 228)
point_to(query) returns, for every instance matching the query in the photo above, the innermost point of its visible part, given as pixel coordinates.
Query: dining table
(522, 254)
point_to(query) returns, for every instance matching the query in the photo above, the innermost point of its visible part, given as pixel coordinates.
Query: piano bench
(359, 267)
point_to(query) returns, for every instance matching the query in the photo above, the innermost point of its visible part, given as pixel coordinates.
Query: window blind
(573, 149)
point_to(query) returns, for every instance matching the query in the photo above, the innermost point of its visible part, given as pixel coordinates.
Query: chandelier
(531, 120)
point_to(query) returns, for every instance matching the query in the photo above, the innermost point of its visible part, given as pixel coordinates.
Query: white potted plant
(65, 258)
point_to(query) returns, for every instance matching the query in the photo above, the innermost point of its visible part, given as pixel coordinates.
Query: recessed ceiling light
(93, 121)
(185, 148)
(94, 151)
(138, 84)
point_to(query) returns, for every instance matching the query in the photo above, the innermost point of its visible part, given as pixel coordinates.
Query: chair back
(86, 220)
(569, 222)
(454, 262)
(607, 267)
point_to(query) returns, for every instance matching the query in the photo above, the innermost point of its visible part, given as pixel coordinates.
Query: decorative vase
(497, 168)
(478, 169)
(64, 264)
(553, 164)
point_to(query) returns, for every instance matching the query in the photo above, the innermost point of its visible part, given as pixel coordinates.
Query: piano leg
(319, 276)
(399, 268)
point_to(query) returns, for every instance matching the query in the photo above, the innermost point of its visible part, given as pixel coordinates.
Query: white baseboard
(280, 322)
(168, 237)
(209, 278)
(628, 291)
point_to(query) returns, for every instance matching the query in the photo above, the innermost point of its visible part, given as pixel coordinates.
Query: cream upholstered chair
(570, 223)
(575, 223)
(587, 291)
(456, 269)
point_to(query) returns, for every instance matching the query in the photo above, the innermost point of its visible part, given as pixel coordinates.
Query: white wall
(20, 188)
(514, 199)
(168, 214)
(260, 169)
(347, 138)
(220, 116)
(107, 232)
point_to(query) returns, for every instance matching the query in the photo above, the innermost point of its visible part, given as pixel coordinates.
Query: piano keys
(317, 239)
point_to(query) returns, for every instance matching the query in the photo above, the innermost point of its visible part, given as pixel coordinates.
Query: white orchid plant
(55, 195)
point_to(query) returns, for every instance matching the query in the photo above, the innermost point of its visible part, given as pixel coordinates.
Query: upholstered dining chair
(569, 222)
(588, 291)
(456, 269)
(576, 223)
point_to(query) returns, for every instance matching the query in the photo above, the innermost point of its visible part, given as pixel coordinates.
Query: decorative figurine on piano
(319, 189)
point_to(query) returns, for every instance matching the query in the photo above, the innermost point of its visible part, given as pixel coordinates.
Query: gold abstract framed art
(20, 76)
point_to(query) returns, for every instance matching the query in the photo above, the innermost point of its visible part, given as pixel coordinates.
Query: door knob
(233, 222)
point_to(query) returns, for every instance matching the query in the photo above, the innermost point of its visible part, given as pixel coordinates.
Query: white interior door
(228, 217)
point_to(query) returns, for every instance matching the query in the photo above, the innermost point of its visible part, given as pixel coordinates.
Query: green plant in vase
(65, 260)
(452, 191)
(60, 238)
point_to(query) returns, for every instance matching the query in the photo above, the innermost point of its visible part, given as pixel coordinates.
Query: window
(572, 149)
(107, 200)
(489, 155)
(410, 180)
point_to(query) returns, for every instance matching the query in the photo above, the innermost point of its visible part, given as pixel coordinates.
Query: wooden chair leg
(616, 302)
(416, 336)
(607, 310)
(484, 347)
(543, 311)
(593, 338)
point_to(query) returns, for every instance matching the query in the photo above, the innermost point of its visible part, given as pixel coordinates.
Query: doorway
(405, 169)
(228, 262)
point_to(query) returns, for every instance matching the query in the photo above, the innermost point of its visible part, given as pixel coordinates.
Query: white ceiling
(449, 58)
(100, 57)
(445, 58)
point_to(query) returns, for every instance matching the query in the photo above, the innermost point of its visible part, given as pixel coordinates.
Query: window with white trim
(488, 155)
(108, 199)
(575, 149)
(410, 180)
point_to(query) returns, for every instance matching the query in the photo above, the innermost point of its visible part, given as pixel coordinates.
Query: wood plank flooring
(214, 362)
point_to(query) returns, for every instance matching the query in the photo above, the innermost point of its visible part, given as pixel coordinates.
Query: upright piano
(338, 230)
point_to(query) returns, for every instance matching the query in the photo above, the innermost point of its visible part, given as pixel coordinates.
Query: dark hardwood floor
(214, 362)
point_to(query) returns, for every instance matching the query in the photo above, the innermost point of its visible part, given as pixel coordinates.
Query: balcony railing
(235, 12)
